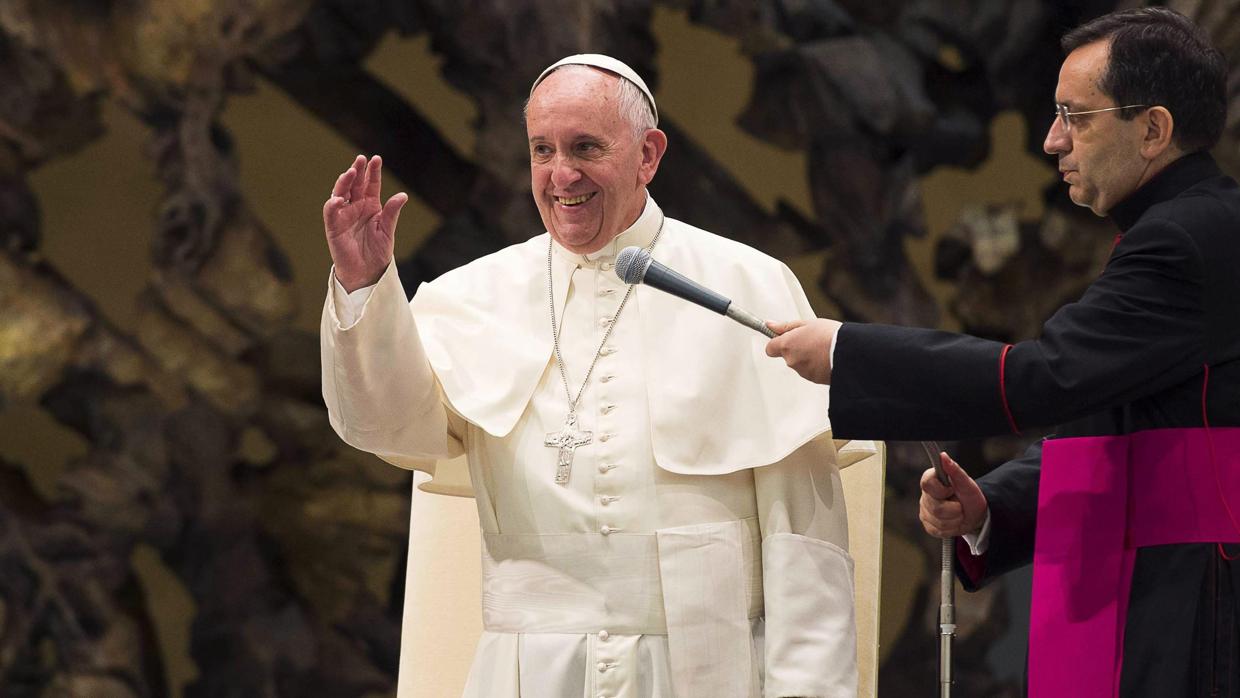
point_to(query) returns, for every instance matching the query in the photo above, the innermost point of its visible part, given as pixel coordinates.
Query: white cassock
(700, 547)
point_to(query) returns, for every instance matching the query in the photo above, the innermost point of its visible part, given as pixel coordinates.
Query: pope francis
(660, 504)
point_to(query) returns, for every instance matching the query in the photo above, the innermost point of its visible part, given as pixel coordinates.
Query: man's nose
(1058, 141)
(564, 172)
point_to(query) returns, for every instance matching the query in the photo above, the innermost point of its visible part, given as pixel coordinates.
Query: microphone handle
(749, 320)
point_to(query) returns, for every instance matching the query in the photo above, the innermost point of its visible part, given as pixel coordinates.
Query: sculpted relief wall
(176, 515)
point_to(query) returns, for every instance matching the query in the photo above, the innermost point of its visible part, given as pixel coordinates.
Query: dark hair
(1160, 58)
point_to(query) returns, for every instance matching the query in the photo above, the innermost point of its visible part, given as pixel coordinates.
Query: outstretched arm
(380, 391)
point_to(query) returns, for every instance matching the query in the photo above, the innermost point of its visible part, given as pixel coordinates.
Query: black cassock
(1129, 355)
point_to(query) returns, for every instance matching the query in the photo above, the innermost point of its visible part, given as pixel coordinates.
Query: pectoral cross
(567, 440)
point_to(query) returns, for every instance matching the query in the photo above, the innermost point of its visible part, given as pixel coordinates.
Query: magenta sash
(1100, 499)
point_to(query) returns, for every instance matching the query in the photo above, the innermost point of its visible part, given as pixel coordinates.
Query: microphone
(634, 265)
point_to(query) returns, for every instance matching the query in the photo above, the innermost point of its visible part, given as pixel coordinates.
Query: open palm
(360, 229)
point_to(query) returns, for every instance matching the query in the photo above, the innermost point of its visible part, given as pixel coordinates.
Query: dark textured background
(176, 516)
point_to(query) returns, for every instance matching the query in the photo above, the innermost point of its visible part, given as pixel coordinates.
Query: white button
(605, 266)
(604, 321)
(607, 378)
(605, 500)
(605, 530)
(604, 437)
(604, 468)
(607, 292)
(603, 635)
(608, 351)
(602, 666)
(608, 408)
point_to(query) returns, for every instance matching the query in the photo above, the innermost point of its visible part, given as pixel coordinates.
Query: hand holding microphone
(805, 346)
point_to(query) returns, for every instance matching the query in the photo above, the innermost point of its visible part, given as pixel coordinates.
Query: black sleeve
(1138, 329)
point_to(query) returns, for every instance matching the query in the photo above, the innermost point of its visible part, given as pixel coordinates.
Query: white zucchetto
(598, 60)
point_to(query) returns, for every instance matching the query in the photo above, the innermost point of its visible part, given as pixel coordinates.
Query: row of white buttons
(604, 468)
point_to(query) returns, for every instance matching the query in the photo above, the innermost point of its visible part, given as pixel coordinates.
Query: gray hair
(632, 104)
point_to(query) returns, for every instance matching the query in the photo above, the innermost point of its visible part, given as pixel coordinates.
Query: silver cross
(567, 440)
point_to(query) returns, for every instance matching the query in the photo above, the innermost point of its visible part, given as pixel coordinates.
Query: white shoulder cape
(717, 402)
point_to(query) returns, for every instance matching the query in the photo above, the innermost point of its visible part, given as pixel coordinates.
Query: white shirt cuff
(831, 352)
(980, 541)
(349, 306)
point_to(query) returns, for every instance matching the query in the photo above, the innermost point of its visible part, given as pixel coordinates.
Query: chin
(575, 240)
(1081, 200)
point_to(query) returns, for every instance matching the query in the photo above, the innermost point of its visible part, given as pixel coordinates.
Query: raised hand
(951, 510)
(361, 231)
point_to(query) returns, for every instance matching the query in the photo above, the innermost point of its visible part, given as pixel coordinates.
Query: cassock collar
(1168, 184)
(640, 234)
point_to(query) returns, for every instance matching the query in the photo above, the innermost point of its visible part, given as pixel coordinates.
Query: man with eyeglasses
(1130, 511)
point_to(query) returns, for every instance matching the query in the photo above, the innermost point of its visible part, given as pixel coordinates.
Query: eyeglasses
(1061, 111)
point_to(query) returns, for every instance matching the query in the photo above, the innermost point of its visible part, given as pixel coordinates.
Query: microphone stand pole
(947, 587)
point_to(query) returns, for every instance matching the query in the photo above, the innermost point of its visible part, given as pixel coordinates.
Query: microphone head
(631, 264)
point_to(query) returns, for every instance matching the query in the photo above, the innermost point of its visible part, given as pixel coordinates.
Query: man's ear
(1159, 129)
(654, 144)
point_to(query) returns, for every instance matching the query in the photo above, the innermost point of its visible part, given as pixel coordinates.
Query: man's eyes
(543, 150)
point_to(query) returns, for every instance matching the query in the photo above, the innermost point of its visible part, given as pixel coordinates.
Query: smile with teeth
(574, 200)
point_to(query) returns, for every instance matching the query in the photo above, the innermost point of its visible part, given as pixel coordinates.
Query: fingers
(775, 347)
(340, 195)
(357, 186)
(932, 487)
(938, 530)
(954, 510)
(343, 182)
(782, 327)
(331, 207)
(965, 487)
(941, 518)
(391, 211)
(778, 345)
(374, 177)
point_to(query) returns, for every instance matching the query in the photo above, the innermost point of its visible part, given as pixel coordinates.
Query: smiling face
(1101, 156)
(588, 168)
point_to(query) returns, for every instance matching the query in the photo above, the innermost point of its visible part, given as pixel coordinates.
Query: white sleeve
(380, 391)
(807, 576)
(349, 306)
(980, 541)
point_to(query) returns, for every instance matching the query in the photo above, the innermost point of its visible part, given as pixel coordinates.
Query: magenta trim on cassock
(1099, 499)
